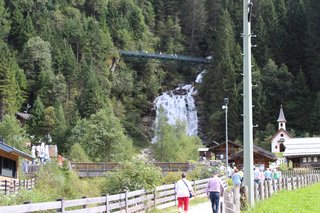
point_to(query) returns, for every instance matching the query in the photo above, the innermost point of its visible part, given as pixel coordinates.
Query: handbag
(190, 194)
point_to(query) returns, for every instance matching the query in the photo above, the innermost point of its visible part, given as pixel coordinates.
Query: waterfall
(179, 104)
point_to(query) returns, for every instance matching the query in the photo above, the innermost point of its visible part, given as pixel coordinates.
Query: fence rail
(13, 186)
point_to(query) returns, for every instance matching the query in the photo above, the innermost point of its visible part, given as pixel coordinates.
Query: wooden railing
(13, 186)
(135, 201)
(98, 169)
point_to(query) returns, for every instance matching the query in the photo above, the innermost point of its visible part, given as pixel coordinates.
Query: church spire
(282, 120)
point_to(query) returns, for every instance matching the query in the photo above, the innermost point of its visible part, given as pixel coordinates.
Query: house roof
(258, 150)
(223, 144)
(281, 116)
(24, 116)
(9, 149)
(302, 147)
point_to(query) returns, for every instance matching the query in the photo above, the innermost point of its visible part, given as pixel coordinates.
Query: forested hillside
(55, 56)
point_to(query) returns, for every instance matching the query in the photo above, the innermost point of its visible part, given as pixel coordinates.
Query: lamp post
(225, 107)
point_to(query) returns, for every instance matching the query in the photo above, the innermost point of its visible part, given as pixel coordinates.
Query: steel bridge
(163, 56)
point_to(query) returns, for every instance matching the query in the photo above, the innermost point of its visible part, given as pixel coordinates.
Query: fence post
(194, 187)
(261, 191)
(236, 198)
(175, 194)
(85, 205)
(155, 198)
(107, 204)
(5, 186)
(61, 210)
(126, 200)
(27, 202)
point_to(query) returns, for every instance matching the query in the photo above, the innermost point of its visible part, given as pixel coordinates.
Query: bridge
(167, 57)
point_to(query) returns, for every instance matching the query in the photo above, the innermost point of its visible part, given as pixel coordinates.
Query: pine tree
(12, 83)
(227, 69)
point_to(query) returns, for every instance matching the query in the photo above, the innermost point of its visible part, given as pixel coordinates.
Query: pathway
(201, 208)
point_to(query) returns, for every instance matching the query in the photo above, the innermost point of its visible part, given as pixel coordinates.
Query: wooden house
(261, 157)
(9, 161)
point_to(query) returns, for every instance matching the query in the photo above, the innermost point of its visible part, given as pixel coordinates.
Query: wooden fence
(13, 186)
(128, 202)
(299, 172)
(266, 188)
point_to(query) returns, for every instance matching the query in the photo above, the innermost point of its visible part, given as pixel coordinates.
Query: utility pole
(247, 102)
(225, 107)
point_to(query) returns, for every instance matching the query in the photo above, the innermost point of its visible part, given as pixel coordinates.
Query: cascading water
(179, 105)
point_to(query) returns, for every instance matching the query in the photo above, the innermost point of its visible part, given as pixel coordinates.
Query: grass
(303, 200)
(174, 209)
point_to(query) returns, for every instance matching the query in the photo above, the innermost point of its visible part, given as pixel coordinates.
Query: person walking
(236, 178)
(183, 191)
(214, 190)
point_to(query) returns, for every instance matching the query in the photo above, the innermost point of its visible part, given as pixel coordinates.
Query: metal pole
(247, 102)
(227, 151)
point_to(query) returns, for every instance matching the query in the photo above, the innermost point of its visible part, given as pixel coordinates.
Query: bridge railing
(98, 169)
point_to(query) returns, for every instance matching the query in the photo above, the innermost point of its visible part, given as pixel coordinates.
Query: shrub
(132, 176)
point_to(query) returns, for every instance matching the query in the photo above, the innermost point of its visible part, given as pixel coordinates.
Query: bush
(132, 176)
(77, 154)
(170, 178)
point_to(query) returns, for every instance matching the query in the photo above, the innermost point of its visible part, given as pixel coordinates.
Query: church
(302, 152)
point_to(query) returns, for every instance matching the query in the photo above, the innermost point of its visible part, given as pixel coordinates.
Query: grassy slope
(304, 200)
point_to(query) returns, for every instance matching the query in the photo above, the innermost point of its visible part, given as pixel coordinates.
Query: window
(281, 135)
(304, 160)
(281, 124)
(7, 167)
(309, 159)
(315, 159)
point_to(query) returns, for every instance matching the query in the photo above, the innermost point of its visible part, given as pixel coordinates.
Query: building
(9, 161)
(261, 158)
(278, 139)
(302, 152)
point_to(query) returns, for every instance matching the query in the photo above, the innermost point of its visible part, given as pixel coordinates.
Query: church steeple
(282, 120)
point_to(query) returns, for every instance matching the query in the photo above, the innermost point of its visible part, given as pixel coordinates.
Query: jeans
(214, 198)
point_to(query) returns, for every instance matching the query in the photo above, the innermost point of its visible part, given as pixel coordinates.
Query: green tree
(173, 144)
(226, 68)
(102, 137)
(78, 154)
(4, 21)
(13, 134)
(12, 83)
(134, 175)
(35, 122)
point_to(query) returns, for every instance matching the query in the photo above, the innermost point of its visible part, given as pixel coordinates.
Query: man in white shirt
(183, 188)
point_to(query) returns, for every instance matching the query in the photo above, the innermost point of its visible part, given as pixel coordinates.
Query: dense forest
(55, 59)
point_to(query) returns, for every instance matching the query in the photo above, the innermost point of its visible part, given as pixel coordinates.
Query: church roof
(302, 147)
(281, 131)
(281, 116)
